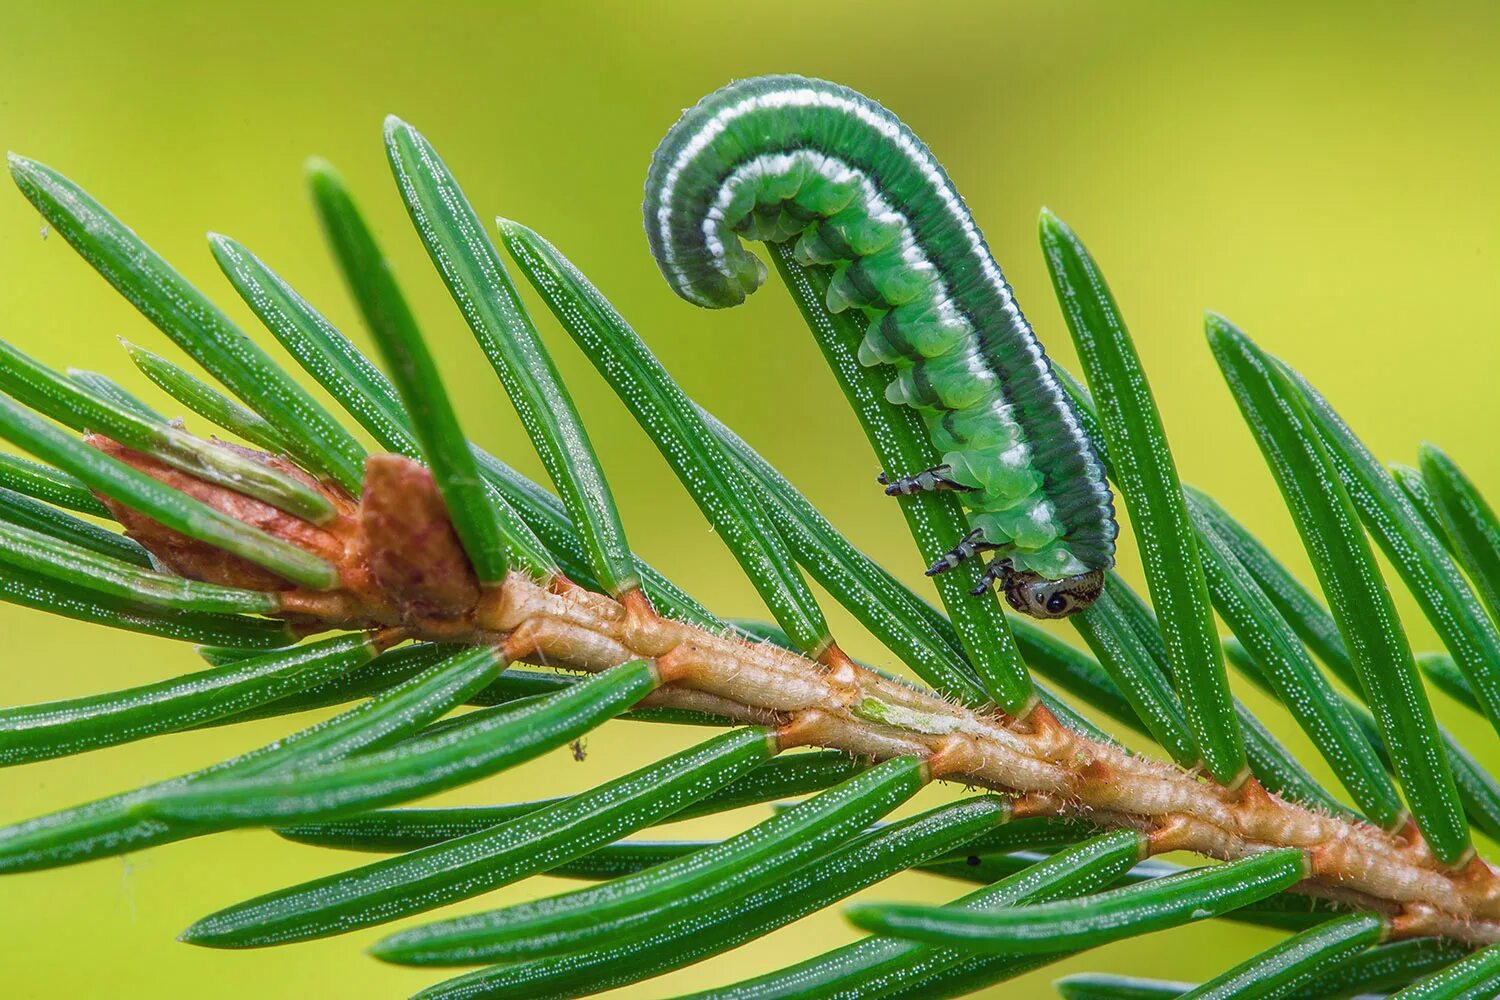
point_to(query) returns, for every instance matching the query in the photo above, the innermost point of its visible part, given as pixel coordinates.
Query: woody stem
(1052, 770)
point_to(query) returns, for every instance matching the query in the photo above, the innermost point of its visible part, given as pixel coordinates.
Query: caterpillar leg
(972, 544)
(929, 480)
(999, 569)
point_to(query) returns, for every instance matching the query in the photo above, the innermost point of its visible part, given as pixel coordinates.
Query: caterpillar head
(1035, 595)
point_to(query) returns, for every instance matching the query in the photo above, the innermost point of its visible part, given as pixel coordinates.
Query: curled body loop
(784, 158)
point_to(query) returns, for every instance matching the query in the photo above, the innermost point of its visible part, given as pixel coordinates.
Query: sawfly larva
(780, 158)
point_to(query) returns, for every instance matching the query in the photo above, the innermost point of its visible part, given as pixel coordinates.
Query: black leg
(999, 568)
(972, 544)
(929, 480)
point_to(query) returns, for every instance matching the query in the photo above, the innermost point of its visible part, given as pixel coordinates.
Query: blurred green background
(1323, 174)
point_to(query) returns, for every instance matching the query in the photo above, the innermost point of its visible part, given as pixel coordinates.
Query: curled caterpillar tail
(784, 158)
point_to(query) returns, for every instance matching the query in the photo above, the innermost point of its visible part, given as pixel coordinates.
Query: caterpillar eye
(1039, 597)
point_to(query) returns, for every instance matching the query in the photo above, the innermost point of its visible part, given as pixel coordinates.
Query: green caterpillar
(781, 158)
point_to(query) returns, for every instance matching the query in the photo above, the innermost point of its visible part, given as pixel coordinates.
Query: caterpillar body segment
(783, 158)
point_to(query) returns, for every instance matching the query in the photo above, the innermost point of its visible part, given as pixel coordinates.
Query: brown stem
(401, 567)
(833, 702)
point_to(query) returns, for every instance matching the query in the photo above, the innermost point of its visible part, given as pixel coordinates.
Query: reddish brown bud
(336, 542)
(410, 545)
(398, 558)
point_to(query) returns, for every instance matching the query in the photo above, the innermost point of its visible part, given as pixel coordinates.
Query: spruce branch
(409, 572)
(435, 567)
